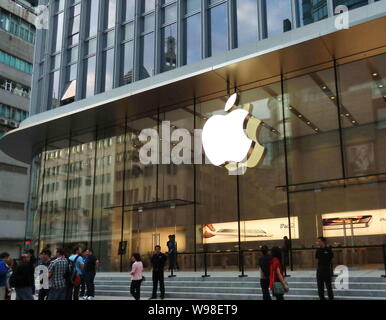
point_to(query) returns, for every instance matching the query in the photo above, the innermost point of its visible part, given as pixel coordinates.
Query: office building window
(310, 11)
(218, 29)
(192, 36)
(17, 26)
(169, 52)
(278, 16)
(90, 76)
(247, 22)
(14, 62)
(127, 63)
(147, 56)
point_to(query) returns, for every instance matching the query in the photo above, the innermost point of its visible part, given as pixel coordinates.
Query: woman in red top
(276, 273)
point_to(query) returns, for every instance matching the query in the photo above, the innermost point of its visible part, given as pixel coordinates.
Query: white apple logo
(225, 140)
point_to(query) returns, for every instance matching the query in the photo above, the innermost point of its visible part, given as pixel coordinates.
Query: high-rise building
(17, 38)
(105, 70)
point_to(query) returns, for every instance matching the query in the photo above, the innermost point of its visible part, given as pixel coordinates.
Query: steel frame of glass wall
(300, 179)
(154, 19)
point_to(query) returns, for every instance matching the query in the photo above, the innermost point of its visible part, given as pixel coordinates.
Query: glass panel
(127, 70)
(192, 48)
(147, 55)
(148, 5)
(148, 23)
(169, 40)
(170, 13)
(107, 226)
(247, 22)
(79, 191)
(278, 16)
(129, 9)
(93, 17)
(110, 14)
(109, 69)
(312, 11)
(58, 32)
(192, 6)
(312, 128)
(53, 206)
(128, 31)
(363, 103)
(55, 100)
(351, 4)
(90, 76)
(218, 33)
(216, 192)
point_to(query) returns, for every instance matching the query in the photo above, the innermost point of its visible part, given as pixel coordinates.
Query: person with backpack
(4, 269)
(58, 272)
(76, 267)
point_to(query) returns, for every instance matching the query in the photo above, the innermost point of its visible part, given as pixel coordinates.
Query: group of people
(272, 271)
(70, 276)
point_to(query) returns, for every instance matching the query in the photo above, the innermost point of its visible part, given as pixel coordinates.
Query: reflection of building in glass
(313, 10)
(170, 54)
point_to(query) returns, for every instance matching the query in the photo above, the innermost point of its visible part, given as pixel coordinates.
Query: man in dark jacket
(264, 263)
(22, 279)
(158, 261)
(324, 255)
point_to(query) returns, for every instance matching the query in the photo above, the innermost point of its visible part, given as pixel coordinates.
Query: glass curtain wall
(322, 173)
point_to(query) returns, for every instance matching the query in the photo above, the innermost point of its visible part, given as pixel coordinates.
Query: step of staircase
(234, 288)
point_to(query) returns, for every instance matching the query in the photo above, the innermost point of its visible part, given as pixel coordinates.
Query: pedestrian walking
(172, 252)
(91, 264)
(324, 255)
(286, 253)
(158, 261)
(76, 267)
(4, 270)
(22, 278)
(276, 276)
(264, 263)
(136, 276)
(59, 274)
(45, 260)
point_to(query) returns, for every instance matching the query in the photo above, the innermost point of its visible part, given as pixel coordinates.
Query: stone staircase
(235, 288)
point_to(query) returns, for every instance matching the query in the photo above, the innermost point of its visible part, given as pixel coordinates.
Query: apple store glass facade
(93, 46)
(322, 173)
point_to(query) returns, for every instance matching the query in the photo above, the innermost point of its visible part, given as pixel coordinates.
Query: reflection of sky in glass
(193, 5)
(129, 9)
(111, 13)
(59, 32)
(109, 69)
(94, 13)
(218, 17)
(148, 5)
(246, 22)
(147, 54)
(90, 81)
(277, 12)
(193, 39)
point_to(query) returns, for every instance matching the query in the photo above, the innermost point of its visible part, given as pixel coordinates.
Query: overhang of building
(312, 47)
